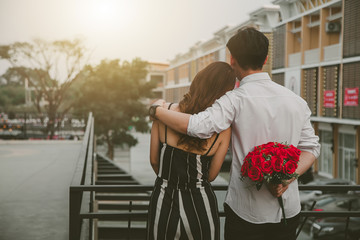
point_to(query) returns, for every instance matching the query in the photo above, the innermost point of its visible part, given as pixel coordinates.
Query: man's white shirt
(259, 111)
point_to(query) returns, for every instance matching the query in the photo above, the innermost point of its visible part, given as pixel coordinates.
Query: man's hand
(278, 189)
(177, 121)
(153, 106)
(160, 102)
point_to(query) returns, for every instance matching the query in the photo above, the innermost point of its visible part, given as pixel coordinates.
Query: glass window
(347, 169)
(158, 79)
(326, 157)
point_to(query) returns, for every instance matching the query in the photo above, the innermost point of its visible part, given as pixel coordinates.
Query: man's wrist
(152, 110)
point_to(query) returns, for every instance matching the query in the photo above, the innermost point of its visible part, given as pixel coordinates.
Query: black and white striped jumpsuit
(183, 204)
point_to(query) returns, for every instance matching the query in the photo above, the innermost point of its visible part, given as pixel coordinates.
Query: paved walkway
(34, 184)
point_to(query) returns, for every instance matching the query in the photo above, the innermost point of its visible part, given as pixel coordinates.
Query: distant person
(183, 204)
(259, 111)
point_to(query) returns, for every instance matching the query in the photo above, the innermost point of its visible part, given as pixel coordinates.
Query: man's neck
(244, 73)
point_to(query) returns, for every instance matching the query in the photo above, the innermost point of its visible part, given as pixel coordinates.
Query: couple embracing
(189, 142)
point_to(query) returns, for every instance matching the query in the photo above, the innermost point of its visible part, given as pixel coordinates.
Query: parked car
(309, 196)
(335, 227)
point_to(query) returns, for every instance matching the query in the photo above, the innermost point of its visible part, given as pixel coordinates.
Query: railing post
(74, 217)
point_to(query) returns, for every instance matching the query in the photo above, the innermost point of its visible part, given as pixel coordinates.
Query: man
(259, 111)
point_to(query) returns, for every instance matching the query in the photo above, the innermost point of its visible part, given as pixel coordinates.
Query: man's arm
(175, 120)
(306, 160)
(214, 119)
(310, 150)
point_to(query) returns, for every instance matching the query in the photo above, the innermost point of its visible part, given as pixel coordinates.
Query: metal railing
(82, 195)
(81, 228)
(142, 215)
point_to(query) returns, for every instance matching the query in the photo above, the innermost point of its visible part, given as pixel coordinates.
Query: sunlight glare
(105, 15)
(103, 10)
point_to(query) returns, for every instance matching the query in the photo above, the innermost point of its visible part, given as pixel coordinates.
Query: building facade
(184, 67)
(315, 52)
(316, 49)
(157, 73)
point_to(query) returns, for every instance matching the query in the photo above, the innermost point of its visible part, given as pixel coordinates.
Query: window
(347, 149)
(279, 78)
(326, 157)
(158, 79)
(310, 88)
(279, 47)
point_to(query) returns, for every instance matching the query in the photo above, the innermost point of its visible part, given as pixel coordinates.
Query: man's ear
(266, 60)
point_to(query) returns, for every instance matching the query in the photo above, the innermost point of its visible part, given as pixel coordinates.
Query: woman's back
(178, 165)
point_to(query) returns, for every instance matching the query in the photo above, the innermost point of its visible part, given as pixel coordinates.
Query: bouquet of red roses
(272, 163)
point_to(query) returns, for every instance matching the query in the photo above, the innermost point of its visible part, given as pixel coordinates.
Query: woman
(183, 204)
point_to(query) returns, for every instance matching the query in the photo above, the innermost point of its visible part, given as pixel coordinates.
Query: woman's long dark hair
(208, 85)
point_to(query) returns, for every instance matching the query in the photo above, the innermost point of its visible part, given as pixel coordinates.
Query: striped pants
(190, 213)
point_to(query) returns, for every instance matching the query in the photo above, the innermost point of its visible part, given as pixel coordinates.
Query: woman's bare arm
(220, 154)
(154, 147)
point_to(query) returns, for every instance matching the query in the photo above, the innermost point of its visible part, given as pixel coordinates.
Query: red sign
(329, 98)
(351, 97)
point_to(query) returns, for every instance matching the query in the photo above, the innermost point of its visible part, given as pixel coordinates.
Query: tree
(12, 91)
(113, 92)
(11, 95)
(50, 68)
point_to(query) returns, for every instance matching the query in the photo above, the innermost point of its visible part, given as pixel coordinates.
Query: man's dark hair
(249, 47)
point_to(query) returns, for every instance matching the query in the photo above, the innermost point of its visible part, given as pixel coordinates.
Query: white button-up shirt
(259, 111)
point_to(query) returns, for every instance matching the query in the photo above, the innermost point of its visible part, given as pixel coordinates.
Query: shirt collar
(255, 77)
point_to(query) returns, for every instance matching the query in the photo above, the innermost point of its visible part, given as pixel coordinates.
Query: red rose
(294, 153)
(269, 145)
(255, 174)
(249, 155)
(257, 160)
(281, 152)
(277, 163)
(267, 167)
(290, 167)
(244, 168)
(268, 151)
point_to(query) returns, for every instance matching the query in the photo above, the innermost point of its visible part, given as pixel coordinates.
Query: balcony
(332, 52)
(183, 80)
(312, 56)
(294, 59)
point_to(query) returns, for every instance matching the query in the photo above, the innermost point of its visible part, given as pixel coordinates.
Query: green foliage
(11, 95)
(113, 91)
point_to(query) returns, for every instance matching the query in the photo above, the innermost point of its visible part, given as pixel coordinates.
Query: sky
(153, 30)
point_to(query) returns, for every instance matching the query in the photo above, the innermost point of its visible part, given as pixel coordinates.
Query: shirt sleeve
(214, 119)
(309, 142)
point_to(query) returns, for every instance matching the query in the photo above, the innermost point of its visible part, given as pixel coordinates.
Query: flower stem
(280, 200)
